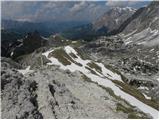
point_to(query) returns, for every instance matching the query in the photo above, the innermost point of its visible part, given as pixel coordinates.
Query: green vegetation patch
(78, 43)
(82, 54)
(132, 114)
(136, 93)
(62, 56)
(116, 71)
(95, 66)
(79, 64)
(73, 55)
(92, 71)
(84, 77)
(126, 108)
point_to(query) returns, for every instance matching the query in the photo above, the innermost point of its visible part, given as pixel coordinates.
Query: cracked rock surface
(67, 95)
(17, 95)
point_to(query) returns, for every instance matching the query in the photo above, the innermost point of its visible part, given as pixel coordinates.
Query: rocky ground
(138, 63)
(49, 92)
(109, 77)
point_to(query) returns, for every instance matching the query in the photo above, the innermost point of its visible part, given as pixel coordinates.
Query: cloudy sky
(38, 11)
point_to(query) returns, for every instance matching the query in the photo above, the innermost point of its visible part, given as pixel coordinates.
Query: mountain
(84, 32)
(145, 28)
(116, 75)
(133, 49)
(7, 39)
(59, 70)
(18, 47)
(45, 28)
(141, 26)
(113, 18)
(14, 45)
(147, 18)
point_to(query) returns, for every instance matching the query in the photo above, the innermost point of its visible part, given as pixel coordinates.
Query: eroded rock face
(113, 18)
(105, 45)
(26, 45)
(17, 95)
(49, 92)
(62, 94)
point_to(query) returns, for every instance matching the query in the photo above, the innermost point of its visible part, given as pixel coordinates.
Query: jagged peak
(124, 9)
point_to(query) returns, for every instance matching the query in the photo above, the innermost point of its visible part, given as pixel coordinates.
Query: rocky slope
(17, 93)
(144, 30)
(134, 51)
(16, 47)
(113, 18)
(111, 77)
(148, 18)
(65, 83)
(108, 22)
(56, 96)
(8, 39)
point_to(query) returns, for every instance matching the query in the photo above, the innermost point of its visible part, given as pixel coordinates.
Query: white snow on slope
(45, 38)
(25, 71)
(74, 41)
(146, 37)
(146, 96)
(130, 33)
(11, 53)
(151, 50)
(101, 79)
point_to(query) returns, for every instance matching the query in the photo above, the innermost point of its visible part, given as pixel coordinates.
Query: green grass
(73, 55)
(95, 66)
(22, 57)
(65, 41)
(132, 90)
(92, 71)
(132, 114)
(84, 77)
(136, 93)
(126, 108)
(81, 53)
(62, 56)
(77, 44)
(110, 91)
(116, 71)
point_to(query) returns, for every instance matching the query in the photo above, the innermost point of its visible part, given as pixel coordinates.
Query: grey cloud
(57, 10)
(79, 6)
(113, 3)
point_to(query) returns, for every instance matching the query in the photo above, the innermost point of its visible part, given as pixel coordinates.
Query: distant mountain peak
(113, 18)
(124, 9)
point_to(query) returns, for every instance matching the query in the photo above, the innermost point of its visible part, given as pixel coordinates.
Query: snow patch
(44, 38)
(116, 21)
(130, 33)
(146, 96)
(25, 71)
(11, 53)
(143, 88)
(103, 79)
(74, 41)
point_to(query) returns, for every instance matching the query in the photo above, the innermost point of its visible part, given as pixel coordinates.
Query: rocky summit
(113, 76)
